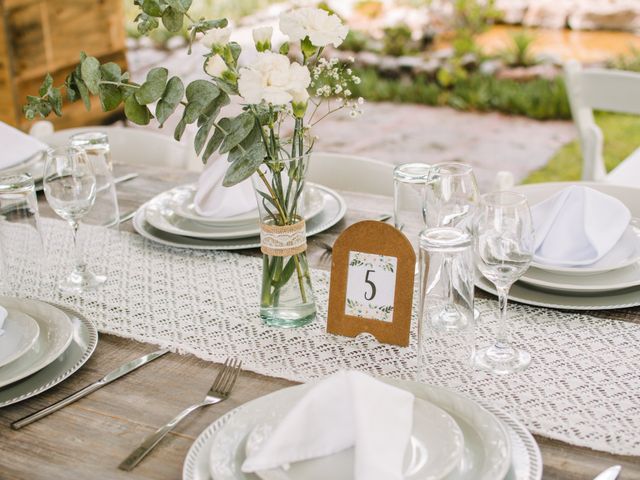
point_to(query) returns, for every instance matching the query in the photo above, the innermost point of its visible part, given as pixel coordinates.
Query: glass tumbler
(22, 253)
(105, 211)
(446, 328)
(409, 181)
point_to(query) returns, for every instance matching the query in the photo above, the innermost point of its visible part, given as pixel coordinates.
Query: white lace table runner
(583, 386)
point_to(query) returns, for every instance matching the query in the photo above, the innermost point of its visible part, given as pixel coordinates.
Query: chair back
(130, 145)
(351, 173)
(598, 89)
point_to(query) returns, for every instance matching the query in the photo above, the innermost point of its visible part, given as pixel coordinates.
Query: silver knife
(108, 378)
(610, 473)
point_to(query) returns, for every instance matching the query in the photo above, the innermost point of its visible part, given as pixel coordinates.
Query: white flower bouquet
(270, 140)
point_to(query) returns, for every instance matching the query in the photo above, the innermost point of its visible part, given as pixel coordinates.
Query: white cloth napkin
(214, 200)
(347, 409)
(577, 226)
(17, 146)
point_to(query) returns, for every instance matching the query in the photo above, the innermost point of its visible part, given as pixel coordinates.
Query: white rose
(273, 78)
(315, 23)
(262, 34)
(217, 36)
(215, 66)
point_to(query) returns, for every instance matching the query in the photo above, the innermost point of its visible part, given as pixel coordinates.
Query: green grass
(621, 138)
(540, 99)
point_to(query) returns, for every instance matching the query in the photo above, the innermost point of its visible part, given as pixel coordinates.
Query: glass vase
(286, 298)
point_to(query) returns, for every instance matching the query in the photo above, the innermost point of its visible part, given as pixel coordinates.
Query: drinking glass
(450, 199)
(70, 187)
(446, 323)
(503, 241)
(105, 211)
(20, 232)
(451, 196)
(409, 181)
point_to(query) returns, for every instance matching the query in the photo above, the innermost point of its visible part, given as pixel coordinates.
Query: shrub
(519, 52)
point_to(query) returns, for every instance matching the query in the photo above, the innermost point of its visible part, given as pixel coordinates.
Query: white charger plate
(56, 333)
(183, 206)
(20, 333)
(83, 344)
(530, 295)
(487, 454)
(627, 277)
(333, 211)
(435, 450)
(630, 196)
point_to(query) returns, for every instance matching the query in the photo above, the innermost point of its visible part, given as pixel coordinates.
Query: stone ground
(399, 133)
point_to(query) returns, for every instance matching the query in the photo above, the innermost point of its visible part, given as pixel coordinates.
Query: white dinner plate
(20, 333)
(529, 295)
(83, 343)
(487, 454)
(623, 278)
(435, 450)
(183, 206)
(333, 211)
(630, 196)
(33, 166)
(56, 333)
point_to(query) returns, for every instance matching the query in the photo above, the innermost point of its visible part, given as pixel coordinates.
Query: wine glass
(503, 243)
(450, 199)
(70, 187)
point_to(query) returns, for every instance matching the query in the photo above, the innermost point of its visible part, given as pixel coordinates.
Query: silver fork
(218, 392)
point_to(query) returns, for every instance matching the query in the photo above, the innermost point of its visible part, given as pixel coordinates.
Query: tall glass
(20, 232)
(451, 196)
(70, 187)
(105, 211)
(286, 299)
(446, 341)
(409, 216)
(503, 240)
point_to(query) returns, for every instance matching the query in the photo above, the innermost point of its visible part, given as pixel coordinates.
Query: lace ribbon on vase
(283, 241)
(583, 386)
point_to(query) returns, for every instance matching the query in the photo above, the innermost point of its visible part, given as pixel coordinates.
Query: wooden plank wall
(40, 36)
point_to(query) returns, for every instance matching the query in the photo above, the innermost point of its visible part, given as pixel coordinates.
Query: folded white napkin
(17, 146)
(577, 226)
(214, 200)
(347, 409)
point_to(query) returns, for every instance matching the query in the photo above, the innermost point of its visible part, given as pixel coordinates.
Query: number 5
(373, 286)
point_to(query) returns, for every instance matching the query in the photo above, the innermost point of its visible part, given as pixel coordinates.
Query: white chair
(609, 90)
(128, 145)
(351, 173)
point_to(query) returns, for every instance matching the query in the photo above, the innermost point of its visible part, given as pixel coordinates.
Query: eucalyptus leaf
(46, 85)
(172, 19)
(216, 139)
(241, 126)
(152, 7)
(170, 99)
(153, 87)
(179, 131)
(55, 99)
(135, 112)
(90, 70)
(201, 136)
(255, 136)
(243, 169)
(202, 91)
(72, 90)
(111, 71)
(110, 97)
(146, 23)
(84, 93)
(179, 5)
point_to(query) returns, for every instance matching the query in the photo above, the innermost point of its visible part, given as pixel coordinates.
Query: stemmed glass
(70, 187)
(450, 199)
(503, 242)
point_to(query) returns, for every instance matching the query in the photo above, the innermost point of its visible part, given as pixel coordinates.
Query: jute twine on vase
(283, 240)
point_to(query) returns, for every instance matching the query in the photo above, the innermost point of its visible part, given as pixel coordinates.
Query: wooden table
(88, 439)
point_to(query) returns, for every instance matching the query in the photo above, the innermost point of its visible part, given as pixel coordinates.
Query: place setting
(210, 216)
(587, 248)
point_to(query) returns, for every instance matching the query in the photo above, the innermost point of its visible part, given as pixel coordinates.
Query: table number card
(372, 275)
